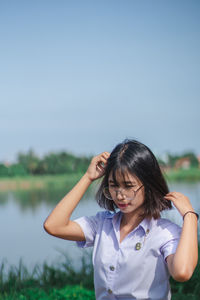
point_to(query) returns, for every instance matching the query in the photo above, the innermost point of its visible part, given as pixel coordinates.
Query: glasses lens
(107, 193)
(127, 193)
(130, 195)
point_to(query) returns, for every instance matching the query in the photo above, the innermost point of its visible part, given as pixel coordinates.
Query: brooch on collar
(138, 245)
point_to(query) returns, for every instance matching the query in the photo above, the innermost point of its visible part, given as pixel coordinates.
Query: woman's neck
(130, 221)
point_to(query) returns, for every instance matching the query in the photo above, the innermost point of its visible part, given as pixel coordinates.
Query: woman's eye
(129, 186)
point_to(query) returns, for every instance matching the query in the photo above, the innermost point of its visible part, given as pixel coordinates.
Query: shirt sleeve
(89, 225)
(172, 235)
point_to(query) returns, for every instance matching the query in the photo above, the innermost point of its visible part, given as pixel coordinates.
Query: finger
(100, 167)
(105, 155)
(172, 194)
(103, 160)
(170, 197)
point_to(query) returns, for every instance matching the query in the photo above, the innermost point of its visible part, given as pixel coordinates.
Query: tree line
(65, 163)
(53, 163)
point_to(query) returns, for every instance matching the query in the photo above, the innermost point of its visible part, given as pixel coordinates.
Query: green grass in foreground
(67, 293)
(62, 281)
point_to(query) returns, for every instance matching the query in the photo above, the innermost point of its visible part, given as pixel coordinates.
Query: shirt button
(109, 291)
(112, 268)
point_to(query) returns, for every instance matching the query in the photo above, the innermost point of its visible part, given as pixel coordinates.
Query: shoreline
(68, 180)
(38, 182)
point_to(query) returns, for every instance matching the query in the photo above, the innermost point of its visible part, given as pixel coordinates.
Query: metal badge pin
(138, 246)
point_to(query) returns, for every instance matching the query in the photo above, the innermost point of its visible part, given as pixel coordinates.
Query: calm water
(21, 224)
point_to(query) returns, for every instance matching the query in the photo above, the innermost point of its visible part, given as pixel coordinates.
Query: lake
(22, 214)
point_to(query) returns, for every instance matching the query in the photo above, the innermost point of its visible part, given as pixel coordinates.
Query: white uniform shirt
(136, 267)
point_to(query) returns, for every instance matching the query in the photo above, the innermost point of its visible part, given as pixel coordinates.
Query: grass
(16, 278)
(39, 182)
(67, 293)
(62, 281)
(191, 175)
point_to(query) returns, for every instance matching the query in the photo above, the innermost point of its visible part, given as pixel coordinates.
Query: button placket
(112, 273)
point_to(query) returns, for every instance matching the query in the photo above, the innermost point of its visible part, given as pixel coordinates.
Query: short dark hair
(137, 159)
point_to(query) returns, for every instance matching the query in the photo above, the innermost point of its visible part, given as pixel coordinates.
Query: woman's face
(127, 192)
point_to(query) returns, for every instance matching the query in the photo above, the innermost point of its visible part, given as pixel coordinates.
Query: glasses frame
(117, 190)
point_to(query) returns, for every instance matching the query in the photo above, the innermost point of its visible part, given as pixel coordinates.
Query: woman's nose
(119, 195)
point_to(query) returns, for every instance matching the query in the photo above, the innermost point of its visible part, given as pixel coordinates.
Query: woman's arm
(58, 222)
(181, 265)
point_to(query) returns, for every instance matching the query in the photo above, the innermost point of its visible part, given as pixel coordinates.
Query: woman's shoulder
(166, 227)
(166, 223)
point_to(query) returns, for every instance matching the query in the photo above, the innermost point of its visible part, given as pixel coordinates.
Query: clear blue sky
(81, 75)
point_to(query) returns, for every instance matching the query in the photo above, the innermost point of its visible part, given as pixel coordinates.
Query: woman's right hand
(97, 166)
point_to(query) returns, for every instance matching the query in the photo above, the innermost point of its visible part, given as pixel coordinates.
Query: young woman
(135, 251)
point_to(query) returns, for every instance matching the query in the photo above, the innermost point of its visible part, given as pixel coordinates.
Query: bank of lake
(68, 180)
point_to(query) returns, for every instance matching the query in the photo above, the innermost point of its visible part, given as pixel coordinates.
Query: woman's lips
(122, 205)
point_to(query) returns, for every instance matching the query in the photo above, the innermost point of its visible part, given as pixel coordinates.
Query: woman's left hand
(180, 201)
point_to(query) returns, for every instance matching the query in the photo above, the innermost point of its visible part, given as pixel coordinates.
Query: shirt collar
(112, 215)
(146, 224)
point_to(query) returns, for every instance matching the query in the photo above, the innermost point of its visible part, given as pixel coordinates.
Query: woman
(135, 251)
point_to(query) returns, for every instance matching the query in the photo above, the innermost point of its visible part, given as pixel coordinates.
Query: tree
(29, 161)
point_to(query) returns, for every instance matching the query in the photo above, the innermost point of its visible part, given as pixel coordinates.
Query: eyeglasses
(128, 193)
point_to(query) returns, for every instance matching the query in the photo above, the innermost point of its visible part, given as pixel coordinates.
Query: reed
(17, 278)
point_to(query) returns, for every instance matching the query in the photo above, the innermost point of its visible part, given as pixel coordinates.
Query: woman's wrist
(87, 178)
(191, 213)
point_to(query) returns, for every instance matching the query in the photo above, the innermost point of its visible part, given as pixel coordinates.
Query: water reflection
(3, 198)
(22, 214)
(33, 199)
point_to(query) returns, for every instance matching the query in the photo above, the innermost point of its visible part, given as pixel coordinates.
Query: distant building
(198, 157)
(6, 163)
(183, 163)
